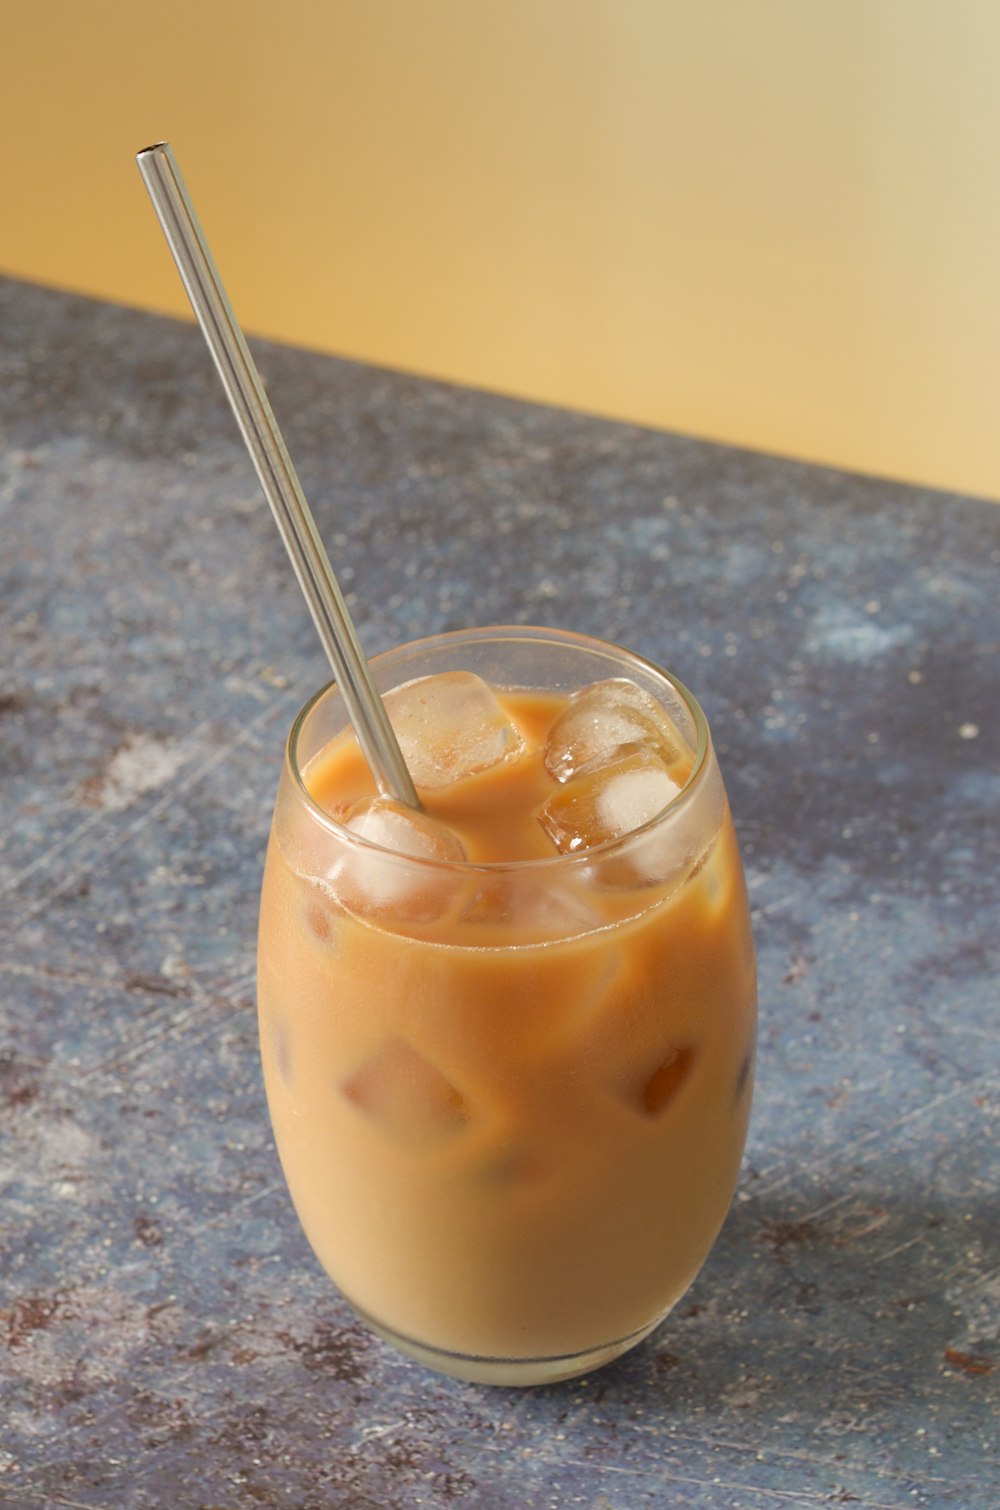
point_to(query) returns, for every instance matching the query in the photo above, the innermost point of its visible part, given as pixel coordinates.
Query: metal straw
(282, 489)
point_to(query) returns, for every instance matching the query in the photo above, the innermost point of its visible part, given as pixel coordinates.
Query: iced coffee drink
(507, 1038)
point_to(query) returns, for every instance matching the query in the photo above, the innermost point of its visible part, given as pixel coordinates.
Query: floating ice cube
(404, 830)
(450, 726)
(603, 717)
(527, 909)
(405, 1095)
(384, 879)
(714, 872)
(604, 802)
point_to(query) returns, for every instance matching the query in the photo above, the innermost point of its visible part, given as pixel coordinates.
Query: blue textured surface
(166, 1338)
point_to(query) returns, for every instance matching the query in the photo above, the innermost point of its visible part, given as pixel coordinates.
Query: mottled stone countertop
(166, 1338)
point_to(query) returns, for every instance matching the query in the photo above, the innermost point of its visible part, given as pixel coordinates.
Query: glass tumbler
(510, 1096)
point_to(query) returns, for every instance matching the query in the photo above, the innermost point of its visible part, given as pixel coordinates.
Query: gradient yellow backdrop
(774, 222)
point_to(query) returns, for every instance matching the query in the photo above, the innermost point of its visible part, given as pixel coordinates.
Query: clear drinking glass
(510, 1096)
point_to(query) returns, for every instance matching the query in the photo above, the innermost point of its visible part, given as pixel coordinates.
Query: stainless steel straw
(282, 489)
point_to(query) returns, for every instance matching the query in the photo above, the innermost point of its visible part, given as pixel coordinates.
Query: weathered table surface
(167, 1337)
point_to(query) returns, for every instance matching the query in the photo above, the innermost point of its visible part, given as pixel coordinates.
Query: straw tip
(154, 147)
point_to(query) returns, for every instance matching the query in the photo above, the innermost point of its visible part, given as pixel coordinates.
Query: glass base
(509, 1371)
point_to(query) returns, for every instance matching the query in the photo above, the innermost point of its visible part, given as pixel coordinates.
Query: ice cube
(713, 871)
(450, 726)
(512, 1169)
(650, 1091)
(604, 802)
(320, 915)
(404, 830)
(405, 1095)
(744, 1078)
(526, 909)
(279, 1040)
(660, 1088)
(384, 880)
(603, 717)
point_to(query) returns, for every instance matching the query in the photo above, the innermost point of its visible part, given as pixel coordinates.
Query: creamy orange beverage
(508, 1038)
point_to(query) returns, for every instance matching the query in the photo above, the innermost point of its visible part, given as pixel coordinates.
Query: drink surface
(492, 812)
(510, 1092)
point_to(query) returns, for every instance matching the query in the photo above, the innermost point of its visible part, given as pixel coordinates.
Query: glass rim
(535, 864)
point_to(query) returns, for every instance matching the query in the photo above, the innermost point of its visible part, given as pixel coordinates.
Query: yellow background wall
(775, 222)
